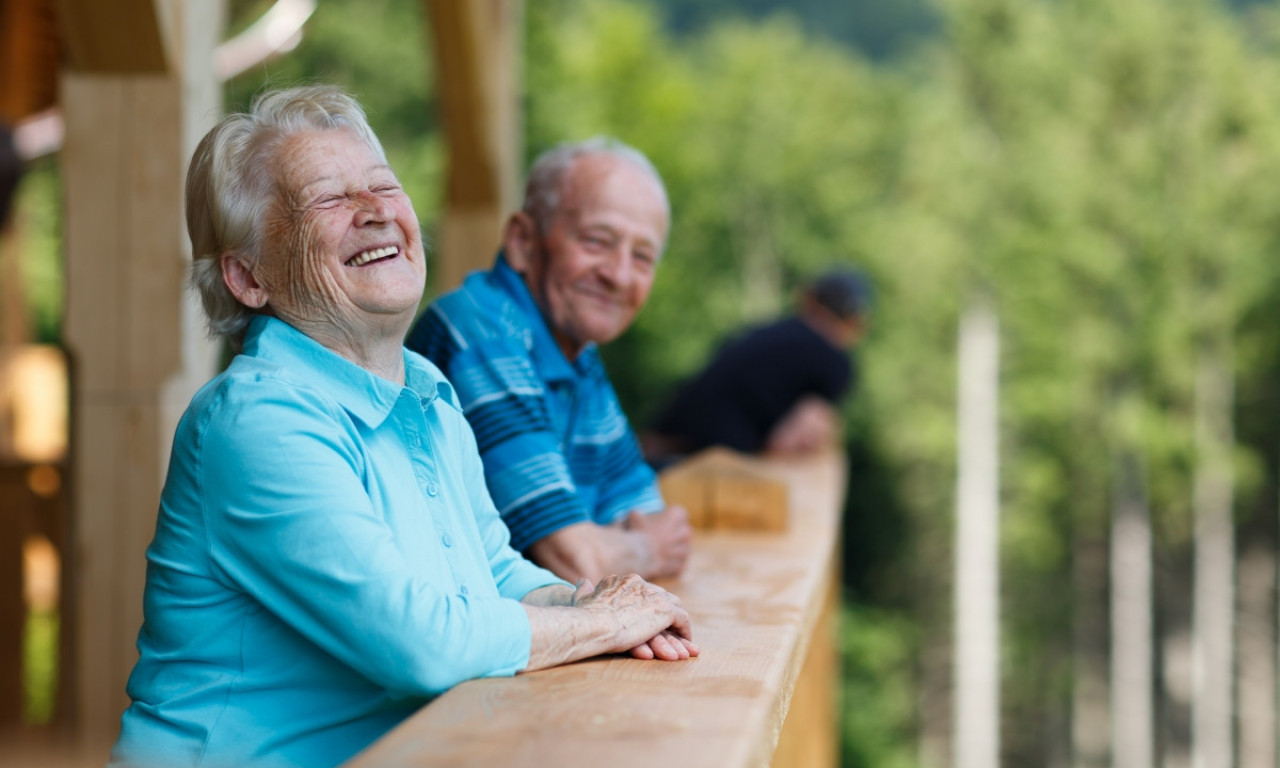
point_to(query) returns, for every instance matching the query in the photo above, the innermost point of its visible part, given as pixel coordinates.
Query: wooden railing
(763, 691)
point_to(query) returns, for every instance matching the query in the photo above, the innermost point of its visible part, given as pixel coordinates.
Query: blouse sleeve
(515, 575)
(290, 523)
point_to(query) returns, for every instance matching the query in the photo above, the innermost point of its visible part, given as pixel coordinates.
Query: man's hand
(654, 546)
(667, 535)
(812, 423)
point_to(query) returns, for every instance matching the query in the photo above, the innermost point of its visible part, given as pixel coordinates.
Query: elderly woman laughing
(327, 558)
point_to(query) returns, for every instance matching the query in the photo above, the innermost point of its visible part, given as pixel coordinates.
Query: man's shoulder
(476, 312)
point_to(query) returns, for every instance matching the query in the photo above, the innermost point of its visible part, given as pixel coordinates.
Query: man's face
(591, 272)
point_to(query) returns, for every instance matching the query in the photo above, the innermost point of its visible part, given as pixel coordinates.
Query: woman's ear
(238, 276)
(520, 241)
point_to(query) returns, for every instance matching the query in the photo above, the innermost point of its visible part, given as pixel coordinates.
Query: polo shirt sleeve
(290, 523)
(505, 402)
(515, 576)
(626, 482)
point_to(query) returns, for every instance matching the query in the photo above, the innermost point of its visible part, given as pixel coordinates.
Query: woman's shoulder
(253, 393)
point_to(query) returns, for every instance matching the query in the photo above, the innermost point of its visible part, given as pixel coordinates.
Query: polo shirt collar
(549, 360)
(366, 396)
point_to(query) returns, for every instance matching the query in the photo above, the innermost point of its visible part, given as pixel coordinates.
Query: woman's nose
(372, 209)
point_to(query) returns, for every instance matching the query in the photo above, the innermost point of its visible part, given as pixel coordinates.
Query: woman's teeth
(374, 255)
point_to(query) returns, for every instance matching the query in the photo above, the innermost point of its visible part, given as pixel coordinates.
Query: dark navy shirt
(751, 383)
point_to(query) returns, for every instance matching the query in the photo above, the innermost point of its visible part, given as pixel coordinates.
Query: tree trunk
(1256, 672)
(977, 581)
(1089, 713)
(1132, 686)
(1214, 593)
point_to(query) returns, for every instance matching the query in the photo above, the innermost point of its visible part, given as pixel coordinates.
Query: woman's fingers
(644, 610)
(666, 646)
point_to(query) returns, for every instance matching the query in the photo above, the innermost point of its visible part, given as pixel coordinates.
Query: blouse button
(448, 542)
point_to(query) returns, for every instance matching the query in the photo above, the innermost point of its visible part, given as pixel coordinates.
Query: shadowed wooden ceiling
(29, 58)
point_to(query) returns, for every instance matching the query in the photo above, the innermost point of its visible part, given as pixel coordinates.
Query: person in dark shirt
(10, 172)
(774, 388)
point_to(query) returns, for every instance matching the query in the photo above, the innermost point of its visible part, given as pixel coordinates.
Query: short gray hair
(546, 176)
(231, 183)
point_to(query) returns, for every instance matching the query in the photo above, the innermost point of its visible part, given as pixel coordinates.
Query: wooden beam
(132, 332)
(121, 166)
(721, 488)
(28, 57)
(477, 73)
(122, 36)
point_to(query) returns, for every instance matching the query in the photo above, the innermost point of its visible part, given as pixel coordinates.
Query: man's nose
(616, 267)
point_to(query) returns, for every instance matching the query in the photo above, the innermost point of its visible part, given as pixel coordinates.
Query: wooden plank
(152, 172)
(756, 599)
(725, 489)
(93, 562)
(476, 60)
(133, 338)
(122, 36)
(810, 734)
(114, 526)
(122, 166)
(96, 137)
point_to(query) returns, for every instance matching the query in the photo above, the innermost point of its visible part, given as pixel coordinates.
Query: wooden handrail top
(755, 599)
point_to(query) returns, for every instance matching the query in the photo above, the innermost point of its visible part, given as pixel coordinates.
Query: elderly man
(519, 344)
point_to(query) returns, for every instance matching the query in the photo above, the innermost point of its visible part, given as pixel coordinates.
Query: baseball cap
(843, 290)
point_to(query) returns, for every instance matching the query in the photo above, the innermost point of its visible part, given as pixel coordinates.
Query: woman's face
(342, 254)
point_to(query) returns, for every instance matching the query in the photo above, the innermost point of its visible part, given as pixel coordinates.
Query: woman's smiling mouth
(360, 259)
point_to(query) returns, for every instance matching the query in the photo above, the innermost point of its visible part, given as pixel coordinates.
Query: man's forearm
(590, 551)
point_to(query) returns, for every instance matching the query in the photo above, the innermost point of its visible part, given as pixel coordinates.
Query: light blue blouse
(326, 559)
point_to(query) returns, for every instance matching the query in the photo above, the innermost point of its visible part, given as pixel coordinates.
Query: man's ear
(520, 241)
(238, 276)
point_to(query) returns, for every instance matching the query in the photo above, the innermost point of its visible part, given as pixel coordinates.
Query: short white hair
(545, 182)
(231, 184)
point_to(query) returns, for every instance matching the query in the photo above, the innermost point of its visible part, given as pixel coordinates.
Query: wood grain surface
(757, 600)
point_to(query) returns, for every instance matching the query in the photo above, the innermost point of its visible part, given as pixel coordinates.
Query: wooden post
(810, 733)
(139, 81)
(477, 79)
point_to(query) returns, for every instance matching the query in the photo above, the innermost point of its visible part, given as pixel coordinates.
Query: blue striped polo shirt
(556, 446)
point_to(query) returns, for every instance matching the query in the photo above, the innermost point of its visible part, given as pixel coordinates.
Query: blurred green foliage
(1097, 170)
(40, 666)
(877, 691)
(38, 222)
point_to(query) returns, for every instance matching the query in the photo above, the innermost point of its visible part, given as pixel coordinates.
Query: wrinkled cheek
(308, 287)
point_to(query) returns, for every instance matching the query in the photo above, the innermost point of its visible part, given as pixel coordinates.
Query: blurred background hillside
(1105, 175)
